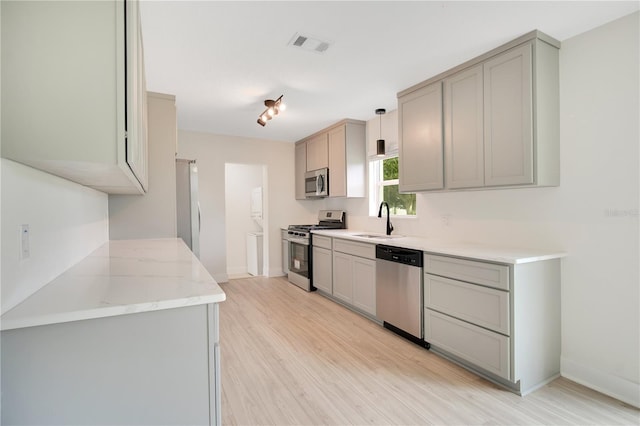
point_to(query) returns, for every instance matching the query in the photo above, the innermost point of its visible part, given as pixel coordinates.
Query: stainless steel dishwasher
(399, 291)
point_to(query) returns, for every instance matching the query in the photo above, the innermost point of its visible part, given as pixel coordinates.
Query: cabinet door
(364, 285)
(421, 152)
(343, 277)
(317, 153)
(66, 112)
(285, 252)
(78, 358)
(337, 163)
(322, 270)
(463, 129)
(508, 122)
(301, 169)
(136, 140)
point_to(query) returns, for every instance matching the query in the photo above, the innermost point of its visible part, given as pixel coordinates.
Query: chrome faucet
(389, 225)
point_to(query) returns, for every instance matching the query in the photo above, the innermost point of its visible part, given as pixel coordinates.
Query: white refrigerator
(187, 205)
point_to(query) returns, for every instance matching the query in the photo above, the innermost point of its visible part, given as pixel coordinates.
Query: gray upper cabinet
(317, 152)
(73, 92)
(341, 148)
(137, 121)
(347, 159)
(300, 169)
(508, 118)
(420, 146)
(500, 118)
(463, 129)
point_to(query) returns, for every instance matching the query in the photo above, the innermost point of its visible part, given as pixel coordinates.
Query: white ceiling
(222, 59)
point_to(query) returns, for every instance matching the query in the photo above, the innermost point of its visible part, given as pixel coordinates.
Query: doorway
(246, 220)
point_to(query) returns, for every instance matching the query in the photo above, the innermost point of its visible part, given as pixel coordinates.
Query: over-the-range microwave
(316, 183)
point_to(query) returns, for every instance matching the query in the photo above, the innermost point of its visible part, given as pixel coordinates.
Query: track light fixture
(380, 151)
(273, 109)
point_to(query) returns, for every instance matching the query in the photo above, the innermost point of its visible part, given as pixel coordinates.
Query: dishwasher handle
(399, 255)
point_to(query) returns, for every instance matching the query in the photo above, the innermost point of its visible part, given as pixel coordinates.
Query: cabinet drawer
(355, 248)
(479, 305)
(483, 348)
(488, 274)
(320, 241)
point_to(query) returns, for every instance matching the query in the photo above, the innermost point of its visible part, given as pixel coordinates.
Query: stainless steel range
(299, 236)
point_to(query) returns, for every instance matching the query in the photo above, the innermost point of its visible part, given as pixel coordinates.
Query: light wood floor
(291, 357)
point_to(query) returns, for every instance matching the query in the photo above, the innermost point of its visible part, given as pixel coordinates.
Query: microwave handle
(320, 184)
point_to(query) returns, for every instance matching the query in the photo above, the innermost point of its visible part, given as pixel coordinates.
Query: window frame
(377, 184)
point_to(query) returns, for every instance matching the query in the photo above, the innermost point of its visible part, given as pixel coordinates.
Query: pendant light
(380, 151)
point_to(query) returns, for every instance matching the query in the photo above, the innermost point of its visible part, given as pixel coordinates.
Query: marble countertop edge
(107, 311)
(486, 252)
(101, 286)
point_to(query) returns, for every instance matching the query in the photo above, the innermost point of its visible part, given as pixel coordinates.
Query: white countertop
(509, 255)
(120, 277)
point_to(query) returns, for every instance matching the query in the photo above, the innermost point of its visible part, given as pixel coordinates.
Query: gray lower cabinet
(346, 271)
(159, 367)
(486, 350)
(364, 285)
(502, 321)
(284, 234)
(322, 269)
(343, 277)
(354, 274)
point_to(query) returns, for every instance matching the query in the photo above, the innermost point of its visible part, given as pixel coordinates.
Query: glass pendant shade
(380, 151)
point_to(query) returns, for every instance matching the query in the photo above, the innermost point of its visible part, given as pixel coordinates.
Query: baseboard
(238, 270)
(221, 278)
(615, 387)
(276, 272)
(239, 276)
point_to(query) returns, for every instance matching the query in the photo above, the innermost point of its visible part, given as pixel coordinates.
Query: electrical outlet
(445, 219)
(25, 249)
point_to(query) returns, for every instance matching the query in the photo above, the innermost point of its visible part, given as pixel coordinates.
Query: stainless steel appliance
(316, 183)
(188, 206)
(299, 237)
(399, 291)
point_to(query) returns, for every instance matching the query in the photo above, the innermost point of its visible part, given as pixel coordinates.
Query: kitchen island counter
(120, 277)
(129, 335)
(486, 252)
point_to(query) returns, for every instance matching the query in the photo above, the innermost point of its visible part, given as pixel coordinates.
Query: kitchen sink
(378, 236)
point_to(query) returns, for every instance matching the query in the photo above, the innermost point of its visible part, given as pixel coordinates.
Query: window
(383, 181)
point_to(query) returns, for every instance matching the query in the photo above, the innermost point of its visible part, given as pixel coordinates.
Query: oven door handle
(302, 241)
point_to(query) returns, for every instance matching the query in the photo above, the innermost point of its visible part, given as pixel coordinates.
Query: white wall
(592, 215)
(281, 209)
(240, 180)
(67, 221)
(599, 73)
(152, 215)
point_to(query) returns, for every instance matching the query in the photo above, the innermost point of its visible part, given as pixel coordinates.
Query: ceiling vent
(309, 43)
